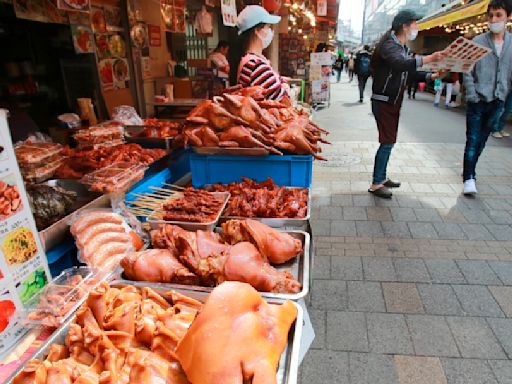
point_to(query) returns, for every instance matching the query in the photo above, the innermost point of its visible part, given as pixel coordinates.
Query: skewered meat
(276, 247)
(237, 338)
(263, 200)
(156, 265)
(206, 255)
(195, 206)
(239, 136)
(49, 204)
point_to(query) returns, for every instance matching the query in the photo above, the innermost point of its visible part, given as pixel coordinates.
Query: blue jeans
(381, 163)
(481, 118)
(505, 114)
(338, 75)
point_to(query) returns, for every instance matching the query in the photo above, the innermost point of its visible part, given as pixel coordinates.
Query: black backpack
(364, 65)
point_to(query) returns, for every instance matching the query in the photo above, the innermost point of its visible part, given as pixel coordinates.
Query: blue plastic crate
(290, 171)
(61, 257)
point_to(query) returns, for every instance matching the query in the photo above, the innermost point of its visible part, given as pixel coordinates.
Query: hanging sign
(321, 7)
(23, 265)
(155, 36)
(229, 15)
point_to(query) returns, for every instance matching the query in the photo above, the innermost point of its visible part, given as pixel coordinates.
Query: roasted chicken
(237, 338)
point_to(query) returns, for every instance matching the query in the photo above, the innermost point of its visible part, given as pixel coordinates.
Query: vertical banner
(23, 265)
(229, 15)
(155, 36)
(321, 8)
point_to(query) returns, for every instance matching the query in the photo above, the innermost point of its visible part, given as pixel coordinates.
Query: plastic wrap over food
(127, 115)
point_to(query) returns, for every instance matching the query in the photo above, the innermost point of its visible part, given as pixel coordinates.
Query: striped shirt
(256, 70)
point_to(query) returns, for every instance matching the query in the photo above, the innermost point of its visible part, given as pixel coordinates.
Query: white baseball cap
(253, 15)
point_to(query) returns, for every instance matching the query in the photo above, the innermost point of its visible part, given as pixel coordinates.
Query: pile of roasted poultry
(245, 251)
(263, 200)
(244, 119)
(125, 335)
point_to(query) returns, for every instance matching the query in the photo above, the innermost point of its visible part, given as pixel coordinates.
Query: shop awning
(451, 16)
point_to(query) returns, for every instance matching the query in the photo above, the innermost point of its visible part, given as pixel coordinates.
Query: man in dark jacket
(362, 69)
(391, 66)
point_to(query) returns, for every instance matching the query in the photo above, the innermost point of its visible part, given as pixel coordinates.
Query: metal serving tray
(299, 267)
(287, 372)
(277, 222)
(194, 226)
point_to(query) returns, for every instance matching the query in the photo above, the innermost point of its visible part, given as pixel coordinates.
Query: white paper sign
(321, 58)
(321, 7)
(229, 15)
(461, 56)
(23, 264)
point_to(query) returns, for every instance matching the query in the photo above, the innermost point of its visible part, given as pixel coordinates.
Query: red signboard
(155, 36)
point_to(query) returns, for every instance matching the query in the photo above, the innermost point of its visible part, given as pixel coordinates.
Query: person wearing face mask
(256, 33)
(487, 87)
(391, 66)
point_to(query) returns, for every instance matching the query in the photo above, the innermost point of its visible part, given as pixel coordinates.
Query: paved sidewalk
(418, 289)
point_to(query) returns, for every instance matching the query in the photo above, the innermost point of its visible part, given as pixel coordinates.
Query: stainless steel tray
(299, 267)
(226, 151)
(287, 372)
(194, 226)
(277, 222)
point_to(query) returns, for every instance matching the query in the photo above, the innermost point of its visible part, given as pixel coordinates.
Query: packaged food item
(33, 154)
(114, 178)
(109, 133)
(41, 173)
(60, 299)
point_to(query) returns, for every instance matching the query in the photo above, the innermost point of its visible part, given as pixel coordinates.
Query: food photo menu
(23, 266)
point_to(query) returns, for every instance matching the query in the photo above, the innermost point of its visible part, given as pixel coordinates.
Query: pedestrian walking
(412, 84)
(351, 65)
(499, 131)
(487, 87)
(338, 67)
(390, 66)
(448, 82)
(362, 69)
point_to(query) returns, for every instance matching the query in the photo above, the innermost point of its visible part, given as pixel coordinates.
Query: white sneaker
(505, 134)
(470, 187)
(497, 135)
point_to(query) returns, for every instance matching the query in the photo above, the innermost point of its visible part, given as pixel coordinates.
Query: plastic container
(100, 134)
(290, 171)
(60, 298)
(33, 154)
(42, 173)
(116, 177)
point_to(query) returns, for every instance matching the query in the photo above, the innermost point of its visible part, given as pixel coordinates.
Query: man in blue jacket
(487, 87)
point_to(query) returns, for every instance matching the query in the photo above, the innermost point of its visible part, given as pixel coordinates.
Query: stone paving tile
(321, 227)
(431, 336)
(503, 296)
(321, 268)
(369, 228)
(500, 232)
(452, 216)
(445, 271)
(411, 270)
(379, 269)
(502, 370)
(330, 212)
(325, 367)
(354, 213)
(403, 214)
(503, 269)
(346, 268)
(343, 228)
(476, 232)
(466, 371)
(478, 272)
(408, 202)
(475, 338)
(422, 231)
(365, 200)
(476, 300)
(346, 331)
(319, 320)
(388, 333)
(419, 370)
(476, 216)
(439, 299)
(427, 214)
(342, 200)
(502, 328)
(500, 217)
(370, 368)
(449, 231)
(402, 298)
(396, 230)
(329, 294)
(378, 214)
(365, 296)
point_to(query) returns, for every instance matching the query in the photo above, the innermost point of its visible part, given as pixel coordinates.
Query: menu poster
(23, 265)
(461, 56)
(229, 15)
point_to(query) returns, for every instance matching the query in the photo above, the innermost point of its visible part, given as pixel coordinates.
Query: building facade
(378, 14)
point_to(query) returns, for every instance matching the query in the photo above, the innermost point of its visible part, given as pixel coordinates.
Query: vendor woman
(255, 27)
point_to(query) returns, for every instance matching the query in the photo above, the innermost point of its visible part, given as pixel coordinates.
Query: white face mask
(267, 38)
(497, 27)
(413, 35)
